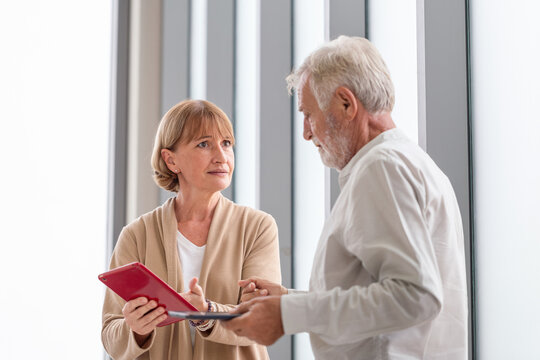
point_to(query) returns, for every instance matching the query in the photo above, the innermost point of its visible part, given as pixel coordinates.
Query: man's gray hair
(352, 62)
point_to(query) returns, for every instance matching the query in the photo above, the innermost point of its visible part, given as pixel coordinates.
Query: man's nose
(307, 130)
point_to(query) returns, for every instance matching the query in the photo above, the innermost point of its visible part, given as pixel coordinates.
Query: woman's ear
(347, 103)
(169, 158)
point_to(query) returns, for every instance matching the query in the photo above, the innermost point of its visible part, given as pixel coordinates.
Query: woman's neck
(191, 207)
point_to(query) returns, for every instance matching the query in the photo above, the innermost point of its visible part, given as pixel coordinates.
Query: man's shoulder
(385, 152)
(397, 152)
(402, 157)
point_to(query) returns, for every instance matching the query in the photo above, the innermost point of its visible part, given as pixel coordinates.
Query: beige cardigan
(241, 242)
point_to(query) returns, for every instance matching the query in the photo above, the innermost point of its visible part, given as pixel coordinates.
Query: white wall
(505, 53)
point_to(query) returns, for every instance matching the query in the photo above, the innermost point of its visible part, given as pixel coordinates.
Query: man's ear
(347, 103)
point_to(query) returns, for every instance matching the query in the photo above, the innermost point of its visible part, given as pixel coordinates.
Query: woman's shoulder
(247, 212)
(153, 218)
(244, 222)
(244, 218)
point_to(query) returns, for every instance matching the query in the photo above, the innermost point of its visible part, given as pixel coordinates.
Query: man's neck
(372, 126)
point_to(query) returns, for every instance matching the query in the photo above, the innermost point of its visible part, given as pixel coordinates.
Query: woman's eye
(227, 143)
(203, 144)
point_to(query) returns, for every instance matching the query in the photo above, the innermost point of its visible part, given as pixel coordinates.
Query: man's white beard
(338, 145)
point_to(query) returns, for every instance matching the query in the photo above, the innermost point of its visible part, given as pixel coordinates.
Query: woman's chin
(222, 184)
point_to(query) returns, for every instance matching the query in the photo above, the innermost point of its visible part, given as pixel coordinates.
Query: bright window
(247, 103)
(309, 173)
(199, 19)
(392, 29)
(54, 91)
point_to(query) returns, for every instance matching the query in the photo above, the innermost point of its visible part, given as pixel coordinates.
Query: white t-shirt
(191, 258)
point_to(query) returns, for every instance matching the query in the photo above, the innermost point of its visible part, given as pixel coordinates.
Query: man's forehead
(304, 80)
(304, 93)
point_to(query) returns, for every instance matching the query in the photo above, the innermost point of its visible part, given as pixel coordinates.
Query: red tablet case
(134, 280)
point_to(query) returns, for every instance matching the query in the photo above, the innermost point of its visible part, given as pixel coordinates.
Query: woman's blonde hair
(185, 122)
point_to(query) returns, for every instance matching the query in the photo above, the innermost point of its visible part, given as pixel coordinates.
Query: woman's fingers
(245, 282)
(246, 296)
(142, 316)
(157, 320)
(253, 284)
(194, 287)
(250, 287)
(143, 309)
(195, 295)
(132, 305)
(149, 321)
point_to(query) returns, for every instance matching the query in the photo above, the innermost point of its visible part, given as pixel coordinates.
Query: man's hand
(260, 322)
(254, 287)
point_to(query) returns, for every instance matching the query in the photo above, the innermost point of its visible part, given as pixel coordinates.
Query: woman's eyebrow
(204, 137)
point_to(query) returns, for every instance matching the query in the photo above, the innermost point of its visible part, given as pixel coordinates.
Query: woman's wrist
(141, 339)
(204, 325)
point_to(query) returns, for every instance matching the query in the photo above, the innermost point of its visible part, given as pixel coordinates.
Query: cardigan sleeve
(118, 339)
(262, 260)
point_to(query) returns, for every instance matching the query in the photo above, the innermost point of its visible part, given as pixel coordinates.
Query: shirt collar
(391, 134)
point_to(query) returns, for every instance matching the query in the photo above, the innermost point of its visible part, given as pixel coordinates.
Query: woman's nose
(219, 155)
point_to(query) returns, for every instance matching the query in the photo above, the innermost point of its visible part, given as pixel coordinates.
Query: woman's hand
(255, 287)
(142, 317)
(195, 295)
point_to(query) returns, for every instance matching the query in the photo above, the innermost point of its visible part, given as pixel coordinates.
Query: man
(388, 278)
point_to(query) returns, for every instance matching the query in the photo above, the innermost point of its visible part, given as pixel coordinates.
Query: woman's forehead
(207, 129)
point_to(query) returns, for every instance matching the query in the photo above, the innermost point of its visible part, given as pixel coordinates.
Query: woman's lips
(219, 172)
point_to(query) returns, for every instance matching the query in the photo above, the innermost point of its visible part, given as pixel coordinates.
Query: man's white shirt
(388, 278)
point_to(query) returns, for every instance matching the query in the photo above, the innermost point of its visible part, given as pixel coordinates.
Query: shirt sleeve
(386, 231)
(294, 291)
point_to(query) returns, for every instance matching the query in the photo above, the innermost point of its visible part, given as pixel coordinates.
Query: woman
(197, 234)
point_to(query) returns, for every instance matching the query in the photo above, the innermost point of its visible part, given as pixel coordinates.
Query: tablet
(196, 315)
(135, 280)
